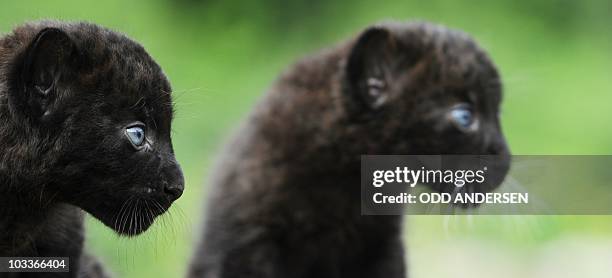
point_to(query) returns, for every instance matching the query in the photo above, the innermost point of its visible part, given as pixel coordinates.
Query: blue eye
(136, 135)
(462, 116)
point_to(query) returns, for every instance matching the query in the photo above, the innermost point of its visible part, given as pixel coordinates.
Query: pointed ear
(45, 59)
(369, 68)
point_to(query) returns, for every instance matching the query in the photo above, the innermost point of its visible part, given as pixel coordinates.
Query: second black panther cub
(85, 120)
(286, 197)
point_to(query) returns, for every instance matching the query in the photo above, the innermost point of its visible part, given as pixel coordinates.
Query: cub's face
(423, 89)
(106, 108)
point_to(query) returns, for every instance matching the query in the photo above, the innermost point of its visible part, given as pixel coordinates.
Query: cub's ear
(46, 59)
(369, 68)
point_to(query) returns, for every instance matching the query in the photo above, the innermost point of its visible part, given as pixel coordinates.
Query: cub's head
(419, 88)
(97, 110)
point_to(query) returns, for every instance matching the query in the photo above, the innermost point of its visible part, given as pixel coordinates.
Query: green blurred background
(555, 58)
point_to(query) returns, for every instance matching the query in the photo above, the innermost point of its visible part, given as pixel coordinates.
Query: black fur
(286, 196)
(67, 93)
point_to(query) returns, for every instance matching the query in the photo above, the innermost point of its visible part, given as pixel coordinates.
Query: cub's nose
(497, 146)
(174, 182)
(174, 191)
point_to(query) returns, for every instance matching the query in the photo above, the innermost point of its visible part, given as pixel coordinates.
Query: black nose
(174, 191)
(174, 182)
(497, 147)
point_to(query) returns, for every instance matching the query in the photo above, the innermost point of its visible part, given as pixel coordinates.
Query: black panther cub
(286, 198)
(85, 119)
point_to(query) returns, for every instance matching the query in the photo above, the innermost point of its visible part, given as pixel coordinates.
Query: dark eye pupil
(135, 135)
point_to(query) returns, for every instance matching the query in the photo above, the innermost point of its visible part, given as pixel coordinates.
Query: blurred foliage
(554, 56)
